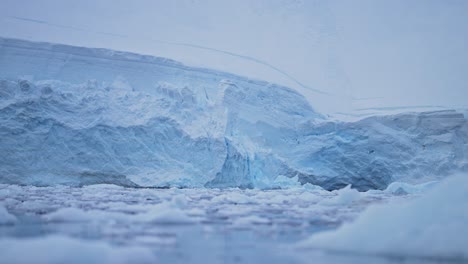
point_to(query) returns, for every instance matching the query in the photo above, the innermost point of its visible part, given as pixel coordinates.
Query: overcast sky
(342, 54)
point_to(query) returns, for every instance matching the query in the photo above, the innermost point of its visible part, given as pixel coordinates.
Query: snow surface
(432, 227)
(86, 116)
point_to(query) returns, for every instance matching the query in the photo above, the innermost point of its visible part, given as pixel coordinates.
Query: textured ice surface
(79, 116)
(6, 217)
(105, 223)
(432, 227)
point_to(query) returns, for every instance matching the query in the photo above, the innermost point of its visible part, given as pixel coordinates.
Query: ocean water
(188, 225)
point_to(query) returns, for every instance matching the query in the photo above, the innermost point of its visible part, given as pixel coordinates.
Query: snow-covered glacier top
(73, 115)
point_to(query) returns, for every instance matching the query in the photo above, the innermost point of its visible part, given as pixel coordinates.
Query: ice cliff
(75, 116)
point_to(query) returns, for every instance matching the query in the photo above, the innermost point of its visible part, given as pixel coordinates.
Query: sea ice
(61, 249)
(433, 226)
(6, 217)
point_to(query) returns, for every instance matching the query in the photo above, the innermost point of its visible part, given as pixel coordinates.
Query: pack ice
(77, 116)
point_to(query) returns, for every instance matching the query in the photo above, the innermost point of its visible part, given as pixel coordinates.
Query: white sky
(360, 53)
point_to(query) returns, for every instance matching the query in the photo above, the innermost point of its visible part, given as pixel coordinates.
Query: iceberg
(431, 227)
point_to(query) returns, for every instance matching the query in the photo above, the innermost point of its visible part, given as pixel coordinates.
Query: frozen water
(104, 223)
(61, 249)
(6, 217)
(344, 196)
(87, 116)
(116, 157)
(237, 169)
(432, 227)
(405, 188)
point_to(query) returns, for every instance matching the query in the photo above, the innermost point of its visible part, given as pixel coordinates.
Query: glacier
(78, 116)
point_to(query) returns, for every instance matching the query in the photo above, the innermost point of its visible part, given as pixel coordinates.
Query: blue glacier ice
(78, 116)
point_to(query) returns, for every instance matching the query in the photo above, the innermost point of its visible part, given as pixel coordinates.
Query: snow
(432, 226)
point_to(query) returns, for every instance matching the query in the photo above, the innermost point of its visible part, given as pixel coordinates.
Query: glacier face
(93, 134)
(369, 154)
(75, 116)
(373, 152)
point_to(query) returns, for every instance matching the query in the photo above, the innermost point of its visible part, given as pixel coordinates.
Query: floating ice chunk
(179, 200)
(233, 197)
(432, 226)
(165, 213)
(195, 212)
(95, 188)
(156, 240)
(69, 214)
(343, 196)
(309, 197)
(36, 205)
(276, 198)
(6, 217)
(252, 219)
(59, 249)
(231, 211)
(312, 187)
(402, 188)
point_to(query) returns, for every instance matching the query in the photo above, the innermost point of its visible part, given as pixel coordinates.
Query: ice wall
(72, 115)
